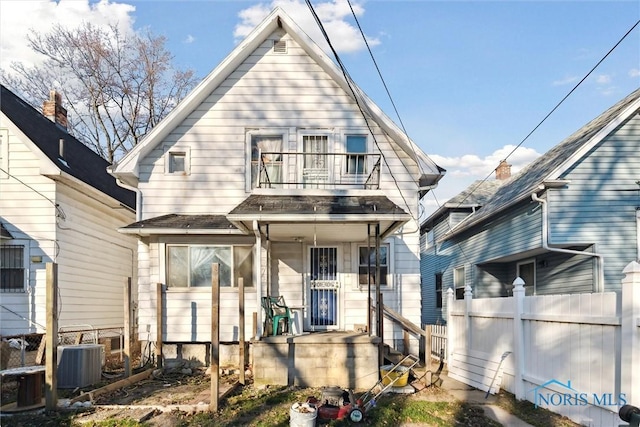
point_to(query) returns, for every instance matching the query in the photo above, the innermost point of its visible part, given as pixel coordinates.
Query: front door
(323, 288)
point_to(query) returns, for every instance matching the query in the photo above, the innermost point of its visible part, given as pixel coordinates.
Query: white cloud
(464, 170)
(635, 72)
(471, 165)
(189, 39)
(603, 79)
(18, 17)
(335, 16)
(565, 81)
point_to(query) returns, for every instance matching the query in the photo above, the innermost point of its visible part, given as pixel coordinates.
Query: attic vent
(279, 46)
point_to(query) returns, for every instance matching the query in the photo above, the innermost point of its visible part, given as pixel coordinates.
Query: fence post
(450, 326)
(630, 334)
(468, 295)
(518, 337)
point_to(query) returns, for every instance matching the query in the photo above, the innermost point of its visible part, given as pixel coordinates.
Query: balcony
(293, 170)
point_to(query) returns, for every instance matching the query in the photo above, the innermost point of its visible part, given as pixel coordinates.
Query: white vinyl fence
(577, 355)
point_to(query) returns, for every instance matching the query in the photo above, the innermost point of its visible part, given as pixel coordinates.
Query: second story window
(176, 161)
(266, 160)
(356, 146)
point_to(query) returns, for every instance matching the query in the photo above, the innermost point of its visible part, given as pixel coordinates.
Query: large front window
(190, 266)
(367, 265)
(12, 268)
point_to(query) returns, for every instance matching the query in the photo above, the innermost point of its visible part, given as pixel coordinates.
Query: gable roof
(127, 167)
(79, 160)
(549, 167)
(473, 197)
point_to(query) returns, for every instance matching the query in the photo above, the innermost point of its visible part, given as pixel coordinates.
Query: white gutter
(545, 243)
(258, 269)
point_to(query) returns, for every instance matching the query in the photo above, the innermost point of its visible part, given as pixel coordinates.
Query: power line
(553, 109)
(384, 83)
(349, 81)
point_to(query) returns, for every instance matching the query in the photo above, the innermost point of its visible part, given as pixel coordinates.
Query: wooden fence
(577, 355)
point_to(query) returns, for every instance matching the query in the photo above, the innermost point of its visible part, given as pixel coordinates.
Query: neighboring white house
(58, 204)
(285, 173)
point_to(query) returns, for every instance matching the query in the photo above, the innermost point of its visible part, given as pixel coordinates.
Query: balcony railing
(316, 170)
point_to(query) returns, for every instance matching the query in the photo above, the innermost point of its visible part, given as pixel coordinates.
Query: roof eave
(152, 231)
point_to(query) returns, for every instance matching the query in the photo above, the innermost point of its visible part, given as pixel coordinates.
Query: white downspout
(545, 243)
(258, 258)
(138, 197)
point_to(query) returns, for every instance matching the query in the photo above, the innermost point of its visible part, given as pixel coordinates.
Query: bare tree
(116, 86)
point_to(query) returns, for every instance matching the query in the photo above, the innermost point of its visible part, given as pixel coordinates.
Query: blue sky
(470, 80)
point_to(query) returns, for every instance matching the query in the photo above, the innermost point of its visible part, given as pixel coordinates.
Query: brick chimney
(53, 109)
(503, 171)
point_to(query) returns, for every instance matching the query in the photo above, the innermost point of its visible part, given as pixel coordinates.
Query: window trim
(530, 289)
(171, 150)
(25, 265)
(164, 253)
(390, 266)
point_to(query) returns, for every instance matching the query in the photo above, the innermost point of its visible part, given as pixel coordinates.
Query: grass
(270, 407)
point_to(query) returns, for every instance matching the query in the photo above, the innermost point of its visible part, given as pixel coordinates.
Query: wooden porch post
(127, 328)
(241, 327)
(379, 302)
(215, 337)
(159, 330)
(51, 349)
(369, 278)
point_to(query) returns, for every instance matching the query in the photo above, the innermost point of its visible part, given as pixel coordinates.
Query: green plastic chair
(276, 310)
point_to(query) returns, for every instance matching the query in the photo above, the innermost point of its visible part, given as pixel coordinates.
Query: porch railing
(293, 170)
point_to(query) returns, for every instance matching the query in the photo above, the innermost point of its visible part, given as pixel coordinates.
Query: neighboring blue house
(568, 223)
(443, 220)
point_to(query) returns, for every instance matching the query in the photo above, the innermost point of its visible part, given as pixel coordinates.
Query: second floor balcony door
(315, 169)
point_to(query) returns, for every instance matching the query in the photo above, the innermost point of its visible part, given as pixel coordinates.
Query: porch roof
(182, 224)
(305, 217)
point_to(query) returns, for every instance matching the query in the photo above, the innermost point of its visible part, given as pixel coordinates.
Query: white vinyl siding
(80, 235)
(252, 97)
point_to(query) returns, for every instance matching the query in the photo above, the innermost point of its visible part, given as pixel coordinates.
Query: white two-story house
(284, 173)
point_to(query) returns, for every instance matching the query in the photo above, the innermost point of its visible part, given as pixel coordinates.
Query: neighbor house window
(367, 265)
(12, 268)
(266, 160)
(177, 161)
(190, 266)
(459, 282)
(527, 272)
(356, 146)
(438, 290)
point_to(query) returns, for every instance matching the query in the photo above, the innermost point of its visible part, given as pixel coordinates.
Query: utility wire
(349, 81)
(478, 184)
(384, 83)
(553, 109)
